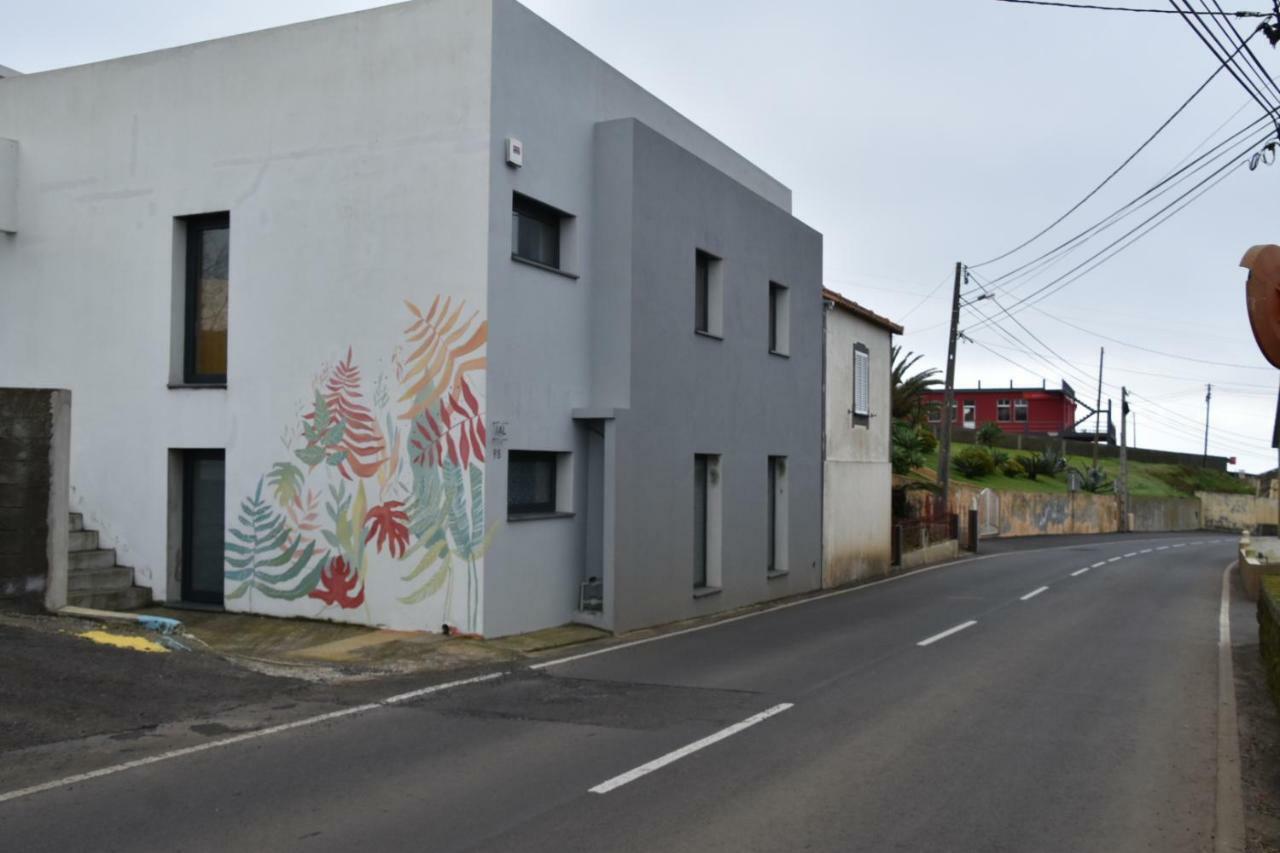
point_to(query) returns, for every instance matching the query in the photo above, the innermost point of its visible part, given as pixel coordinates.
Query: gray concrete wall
(857, 483)
(695, 394)
(34, 450)
(1156, 514)
(558, 343)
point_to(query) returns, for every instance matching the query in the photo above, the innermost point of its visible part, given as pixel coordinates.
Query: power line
(1117, 169)
(1248, 85)
(1152, 351)
(1232, 35)
(1241, 14)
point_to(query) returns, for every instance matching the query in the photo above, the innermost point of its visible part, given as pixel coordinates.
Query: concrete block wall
(34, 473)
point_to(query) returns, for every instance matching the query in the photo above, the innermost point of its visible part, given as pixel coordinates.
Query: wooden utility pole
(1097, 413)
(1208, 395)
(1122, 484)
(949, 396)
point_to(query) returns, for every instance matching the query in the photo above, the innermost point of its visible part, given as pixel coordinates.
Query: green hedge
(1269, 633)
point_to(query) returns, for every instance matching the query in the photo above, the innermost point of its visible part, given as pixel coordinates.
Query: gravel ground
(1259, 751)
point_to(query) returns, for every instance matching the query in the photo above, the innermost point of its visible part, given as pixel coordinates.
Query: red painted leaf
(337, 580)
(390, 524)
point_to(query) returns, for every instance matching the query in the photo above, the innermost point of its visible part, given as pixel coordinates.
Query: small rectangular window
(207, 280)
(531, 483)
(535, 231)
(1002, 410)
(970, 414)
(861, 381)
(1019, 410)
(779, 319)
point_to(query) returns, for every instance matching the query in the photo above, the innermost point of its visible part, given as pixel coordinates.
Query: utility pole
(1122, 485)
(1208, 395)
(949, 396)
(1097, 413)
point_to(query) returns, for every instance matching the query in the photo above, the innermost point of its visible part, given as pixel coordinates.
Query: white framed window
(970, 414)
(861, 381)
(1003, 410)
(1019, 410)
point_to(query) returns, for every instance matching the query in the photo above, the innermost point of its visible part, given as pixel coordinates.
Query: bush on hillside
(989, 434)
(1012, 468)
(974, 462)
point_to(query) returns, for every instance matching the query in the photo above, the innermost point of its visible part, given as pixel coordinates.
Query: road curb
(1229, 828)
(160, 624)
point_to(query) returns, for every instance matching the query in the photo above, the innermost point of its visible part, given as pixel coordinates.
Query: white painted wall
(352, 155)
(857, 482)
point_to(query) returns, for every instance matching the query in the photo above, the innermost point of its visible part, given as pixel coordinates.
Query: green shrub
(989, 434)
(975, 462)
(999, 457)
(927, 438)
(907, 450)
(1012, 468)
(1048, 463)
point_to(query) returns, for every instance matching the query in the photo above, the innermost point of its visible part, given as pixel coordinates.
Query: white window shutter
(861, 383)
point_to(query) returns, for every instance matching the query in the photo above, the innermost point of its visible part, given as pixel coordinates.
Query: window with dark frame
(531, 483)
(535, 231)
(1003, 410)
(776, 464)
(778, 314)
(702, 291)
(207, 282)
(1019, 410)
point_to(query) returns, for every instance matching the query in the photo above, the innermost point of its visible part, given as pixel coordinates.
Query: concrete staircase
(94, 579)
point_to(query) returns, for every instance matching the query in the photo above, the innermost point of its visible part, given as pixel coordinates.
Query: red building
(1039, 411)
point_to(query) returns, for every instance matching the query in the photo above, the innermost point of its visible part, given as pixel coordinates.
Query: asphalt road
(1080, 716)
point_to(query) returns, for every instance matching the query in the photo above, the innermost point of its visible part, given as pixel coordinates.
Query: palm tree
(908, 391)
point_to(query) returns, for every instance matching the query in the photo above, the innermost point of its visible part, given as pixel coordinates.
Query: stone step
(77, 521)
(113, 579)
(101, 558)
(130, 598)
(82, 540)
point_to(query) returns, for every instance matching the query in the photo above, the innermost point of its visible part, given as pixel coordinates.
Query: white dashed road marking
(1079, 572)
(1098, 564)
(1115, 559)
(1033, 593)
(947, 633)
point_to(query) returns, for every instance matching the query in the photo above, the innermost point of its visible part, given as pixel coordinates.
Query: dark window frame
(525, 207)
(541, 507)
(702, 262)
(195, 227)
(701, 520)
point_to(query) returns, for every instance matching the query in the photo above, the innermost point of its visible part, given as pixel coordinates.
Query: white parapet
(9, 186)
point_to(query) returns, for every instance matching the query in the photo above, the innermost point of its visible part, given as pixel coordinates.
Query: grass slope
(1149, 479)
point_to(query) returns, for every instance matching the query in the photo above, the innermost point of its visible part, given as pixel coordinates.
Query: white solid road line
(1033, 593)
(241, 738)
(947, 633)
(670, 757)
(1079, 572)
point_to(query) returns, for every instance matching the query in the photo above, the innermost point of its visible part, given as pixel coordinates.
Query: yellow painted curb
(122, 641)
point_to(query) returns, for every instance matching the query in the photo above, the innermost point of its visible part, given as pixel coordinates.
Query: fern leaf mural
(264, 555)
(382, 499)
(445, 349)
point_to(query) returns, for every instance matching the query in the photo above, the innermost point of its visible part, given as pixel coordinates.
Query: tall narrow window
(207, 268)
(700, 466)
(203, 493)
(708, 313)
(706, 523)
(1019, 410)
(535, 232)
(1002, 410)
(970, 414)
(861, 381)
(776, 523)
(779, 319)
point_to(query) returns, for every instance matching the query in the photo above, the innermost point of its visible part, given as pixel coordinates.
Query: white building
(857, 474)
(426, 314)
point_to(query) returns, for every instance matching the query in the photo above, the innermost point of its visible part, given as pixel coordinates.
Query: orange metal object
(1262, 295)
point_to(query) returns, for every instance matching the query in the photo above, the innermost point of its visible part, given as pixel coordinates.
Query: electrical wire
(1093, 7)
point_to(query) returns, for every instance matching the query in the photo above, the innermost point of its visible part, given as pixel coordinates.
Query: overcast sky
(914, 135)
